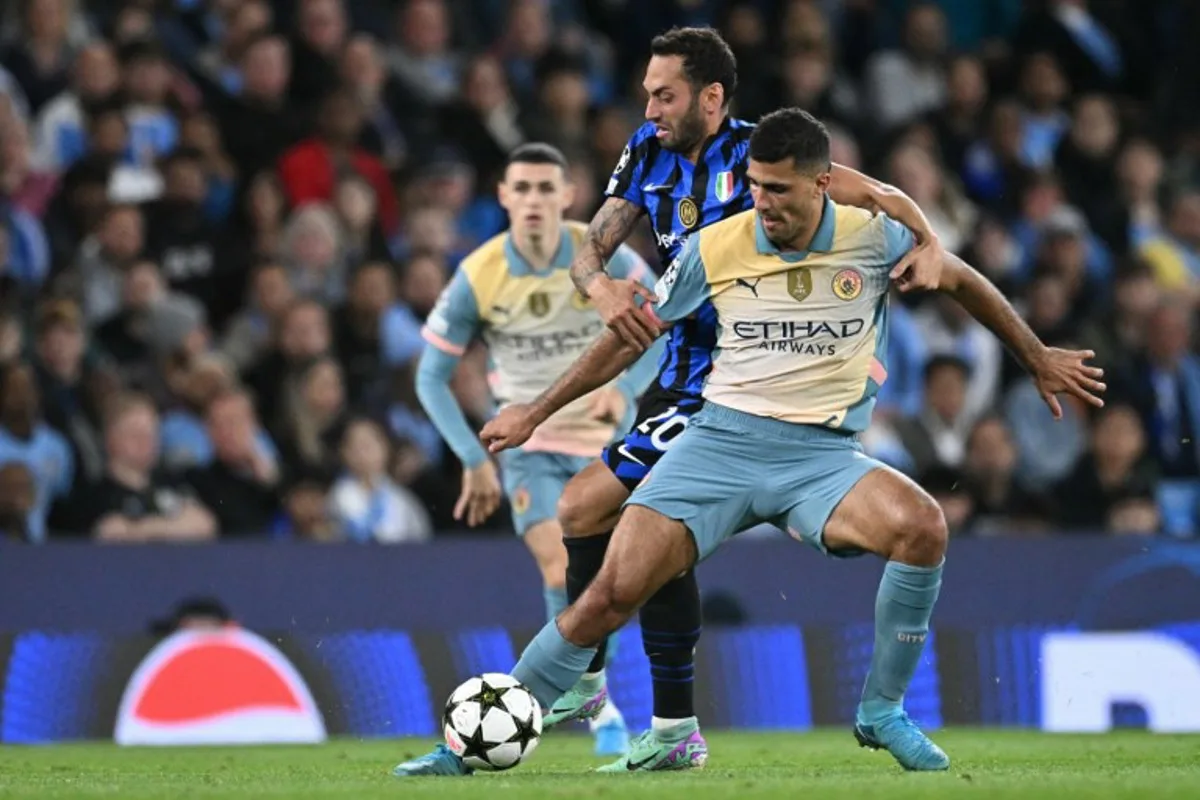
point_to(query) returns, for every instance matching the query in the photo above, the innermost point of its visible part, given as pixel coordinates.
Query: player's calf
(671, 622)
(887, 514)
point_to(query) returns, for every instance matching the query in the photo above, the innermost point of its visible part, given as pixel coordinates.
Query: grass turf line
(822, 764)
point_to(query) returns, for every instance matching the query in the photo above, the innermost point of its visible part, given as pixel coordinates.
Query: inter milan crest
(539, 304)
(688, 213)
(847, 284)
(799, 282)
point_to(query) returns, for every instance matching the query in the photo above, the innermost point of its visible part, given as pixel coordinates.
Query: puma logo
(753, 287)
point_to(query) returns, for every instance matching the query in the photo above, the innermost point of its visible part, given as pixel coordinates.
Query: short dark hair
(947, 361)
(537, 153)
(140, 50)
(707, 58)
(791, 133)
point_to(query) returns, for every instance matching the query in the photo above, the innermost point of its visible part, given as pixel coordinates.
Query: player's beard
(690, 132)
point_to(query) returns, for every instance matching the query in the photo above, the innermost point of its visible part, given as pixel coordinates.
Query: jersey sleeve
(684, 287)
(897, 240)
(455, 320)
(626, 180)
(626, 263)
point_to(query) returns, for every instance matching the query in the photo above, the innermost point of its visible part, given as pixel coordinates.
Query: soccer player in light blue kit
(800, 287)
(515, 292)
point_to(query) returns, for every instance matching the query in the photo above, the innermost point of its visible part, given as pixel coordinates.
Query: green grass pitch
(822, 764)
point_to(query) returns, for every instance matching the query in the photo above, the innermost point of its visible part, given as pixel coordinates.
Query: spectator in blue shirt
(26, 440)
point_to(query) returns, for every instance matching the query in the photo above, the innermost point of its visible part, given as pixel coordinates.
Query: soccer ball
(492, 722)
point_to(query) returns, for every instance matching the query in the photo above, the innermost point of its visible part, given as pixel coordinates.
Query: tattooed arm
(614, 298)
(609, 228)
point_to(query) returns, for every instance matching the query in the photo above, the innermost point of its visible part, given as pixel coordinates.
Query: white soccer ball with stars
(492, 722)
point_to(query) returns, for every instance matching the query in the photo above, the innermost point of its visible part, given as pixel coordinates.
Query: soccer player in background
(800, 288)
(515, 291)
(685, 168)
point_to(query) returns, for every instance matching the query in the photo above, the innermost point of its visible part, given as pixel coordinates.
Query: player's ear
(502, 194)
(568, 193)
(713, 97)
(823, 181)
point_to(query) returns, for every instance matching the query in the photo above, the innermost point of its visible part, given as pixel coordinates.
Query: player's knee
(923, 535)
(575, 514)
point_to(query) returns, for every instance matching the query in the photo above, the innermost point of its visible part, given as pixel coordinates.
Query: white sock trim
(660, 725)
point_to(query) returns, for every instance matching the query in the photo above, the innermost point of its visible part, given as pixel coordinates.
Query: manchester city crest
(689, 213)
(847, 284)
(539, 304)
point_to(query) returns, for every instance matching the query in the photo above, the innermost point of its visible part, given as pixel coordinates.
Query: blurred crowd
(223, 222)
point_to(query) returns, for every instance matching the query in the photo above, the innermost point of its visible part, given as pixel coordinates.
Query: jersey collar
(822, 240)
(722, 129)
(518, 266)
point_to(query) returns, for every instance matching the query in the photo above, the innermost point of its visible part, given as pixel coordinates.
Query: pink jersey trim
(445, 345)
(877, 372)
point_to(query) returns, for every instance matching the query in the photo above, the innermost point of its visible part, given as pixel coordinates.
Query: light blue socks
(556, 600)
(903, 607)
(551, 665)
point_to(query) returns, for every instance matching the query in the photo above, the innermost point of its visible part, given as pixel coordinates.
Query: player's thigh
(545, 541)
(853, 504)
(533, 483)
(707, 481)
(591, 502)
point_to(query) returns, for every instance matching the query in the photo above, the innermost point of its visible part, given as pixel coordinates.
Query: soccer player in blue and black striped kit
(685, 169)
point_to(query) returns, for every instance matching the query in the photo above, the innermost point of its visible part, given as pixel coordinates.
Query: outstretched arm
(1053, 370)
(920, 267)
(599, 364)
(681, 291)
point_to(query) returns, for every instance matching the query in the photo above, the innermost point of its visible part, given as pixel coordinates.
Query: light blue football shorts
(731, 471)
(533, 483)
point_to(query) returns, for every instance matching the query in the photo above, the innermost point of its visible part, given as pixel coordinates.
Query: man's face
(123, 234)
(20, 400)
(185, 182)
(96, 73)
(787, 200)
(17, 491)
(305, 333)
(673, 107)
(535, 197)
(946, 392)
(373, 289)
(341, 119)
(231, 426)
(268, 69)
(133, 438)
(323, 25)
(61, 348)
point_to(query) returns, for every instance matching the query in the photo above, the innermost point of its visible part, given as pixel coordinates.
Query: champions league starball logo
(227, 686)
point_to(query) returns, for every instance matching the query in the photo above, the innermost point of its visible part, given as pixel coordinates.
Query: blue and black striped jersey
(680, 197)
